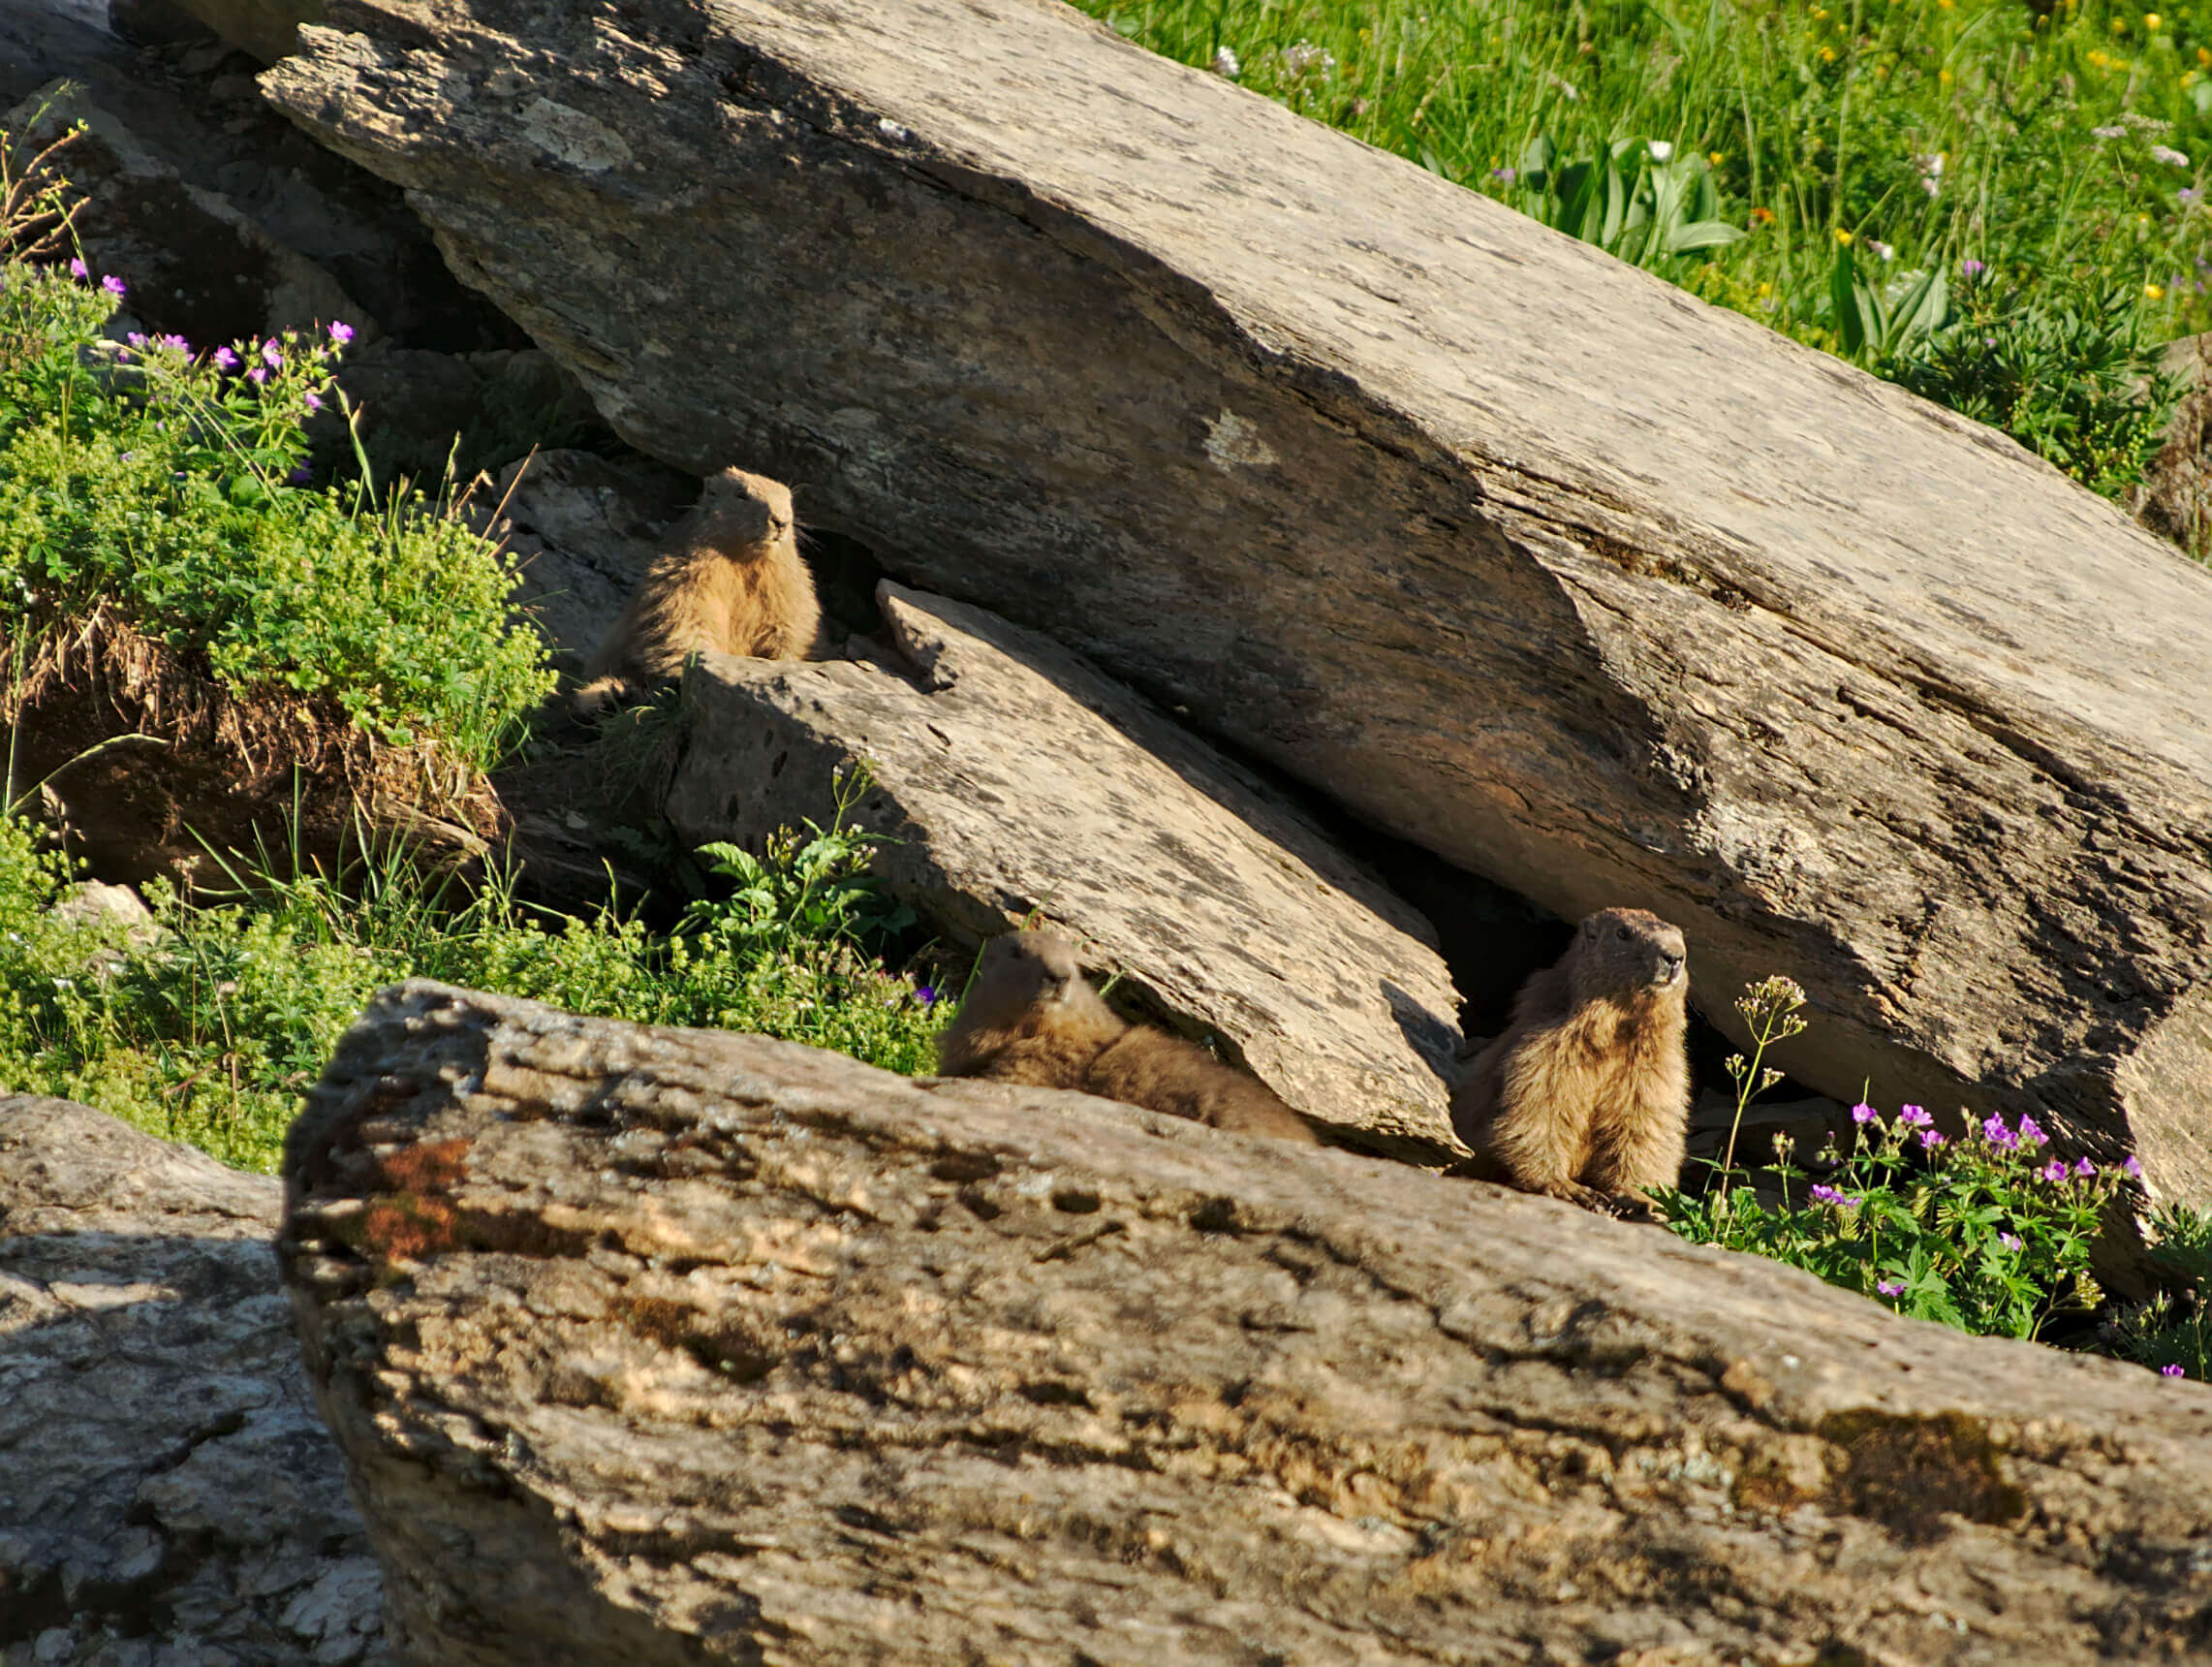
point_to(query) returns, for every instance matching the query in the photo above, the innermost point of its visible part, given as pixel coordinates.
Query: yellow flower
(1943, 5)
(1842, 236)
(1766, 290)
(1820, 14)
(1943, 76)
(2153, 293)
(1715, 158)
(1828, 54)
(2143, 219)
(2205, 57)
(2119, 25)
(2150, 19)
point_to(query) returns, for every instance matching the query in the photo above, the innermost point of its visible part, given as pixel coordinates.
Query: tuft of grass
(1867, 151)
(210, 1032)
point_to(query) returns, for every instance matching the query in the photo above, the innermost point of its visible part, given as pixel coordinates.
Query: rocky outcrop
(1519, 553)
(168, 1496)
(265, 28)
(1008, 776)
(667, 1346)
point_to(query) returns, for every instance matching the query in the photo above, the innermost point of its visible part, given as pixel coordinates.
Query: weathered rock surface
(2175, 499)
(1008, 775)
(194, 264)
(1520, 554)
(656, 1346)
(168, 1495)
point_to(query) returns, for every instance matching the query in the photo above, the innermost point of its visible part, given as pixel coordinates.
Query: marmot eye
(1624, 934)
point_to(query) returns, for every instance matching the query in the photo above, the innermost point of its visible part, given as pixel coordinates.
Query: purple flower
(926, 995)
(1913, 1118)
(2011, 1241)
(1930, 1140)
(2084, 1169)
(78, 270)
(1830, 1195)
(1504, 175)
(314, 401)
(2171, 1372)
(2187, 194)
(2130, 1167)
(1971, 268)
(1862, 1113)
(1993, 1130)
(300, 475)
(341, 331)
(257, 374)
(271, 354)
(1890, 1287)
(226, 359)
(2032, 1133)
(2052, 1171)
(176, 341)
(112, 284)
(136, 339)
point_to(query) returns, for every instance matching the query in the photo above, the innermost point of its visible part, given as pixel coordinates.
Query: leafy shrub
(2065, 374)
(1638, 199)
(210, 1033)
(163, 488)
(1988, 1233)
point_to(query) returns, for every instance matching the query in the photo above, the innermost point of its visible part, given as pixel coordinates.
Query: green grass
(211, 1032)
(2053, 163)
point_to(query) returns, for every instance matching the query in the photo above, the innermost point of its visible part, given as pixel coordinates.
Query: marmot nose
(1670, 967)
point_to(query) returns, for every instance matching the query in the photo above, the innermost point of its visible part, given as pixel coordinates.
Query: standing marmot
(1031, 1018)
(730, 582)
(1586, 1096)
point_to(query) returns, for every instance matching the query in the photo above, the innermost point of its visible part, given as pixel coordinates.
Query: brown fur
(730, 582)
(1031, 1018)
(1586, 1096)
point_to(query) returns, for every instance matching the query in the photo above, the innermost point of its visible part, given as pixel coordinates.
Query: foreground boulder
(168, 1496)
(1519, 553)
(1009, 776)
(676, 1346)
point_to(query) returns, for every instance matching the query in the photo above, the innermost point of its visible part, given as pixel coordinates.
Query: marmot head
(739, 508)
(1628, 951)
(1022, 969)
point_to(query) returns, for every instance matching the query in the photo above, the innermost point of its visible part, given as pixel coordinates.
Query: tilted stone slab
(673, 1346)
(1010, 776)
(1522, 553)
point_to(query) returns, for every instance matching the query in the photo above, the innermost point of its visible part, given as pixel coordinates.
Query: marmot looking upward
(1031, 1018)
(1586, 1096)
(730, 581)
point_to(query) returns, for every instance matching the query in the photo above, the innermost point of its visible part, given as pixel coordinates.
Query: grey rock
(1521, 554)
(265, 28)
(168, 1494)
(669, 1346)
(1010, 776)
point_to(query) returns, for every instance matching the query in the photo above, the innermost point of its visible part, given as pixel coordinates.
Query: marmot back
(1586, 1096)
(1030, 1017)
(730, 582)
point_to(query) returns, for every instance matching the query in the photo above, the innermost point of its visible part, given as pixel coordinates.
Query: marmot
(1586, 1096)
(1031, 1018)
(730, 581)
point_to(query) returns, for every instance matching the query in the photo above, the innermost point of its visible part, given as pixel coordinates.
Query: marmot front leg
(1543, 1146)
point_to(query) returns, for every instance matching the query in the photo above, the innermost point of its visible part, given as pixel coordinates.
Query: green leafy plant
(2062, 369)
(211, 1028)
(159, 487)
(1876, 319)
(1987, 1232)
(1638, 199)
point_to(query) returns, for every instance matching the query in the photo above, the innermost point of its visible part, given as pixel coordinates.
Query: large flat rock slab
(168, 1497)
(1522, 554)
(1010, 776)
(675, 1346)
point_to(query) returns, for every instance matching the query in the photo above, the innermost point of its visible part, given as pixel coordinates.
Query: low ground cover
(1999, 204)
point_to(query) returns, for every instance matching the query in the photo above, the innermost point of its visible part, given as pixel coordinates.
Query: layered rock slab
(1522, 554)
(168, 1495)
(1009, 776)
(656, 1346)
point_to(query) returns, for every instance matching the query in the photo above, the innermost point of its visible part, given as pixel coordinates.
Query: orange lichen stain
(408, 1227)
